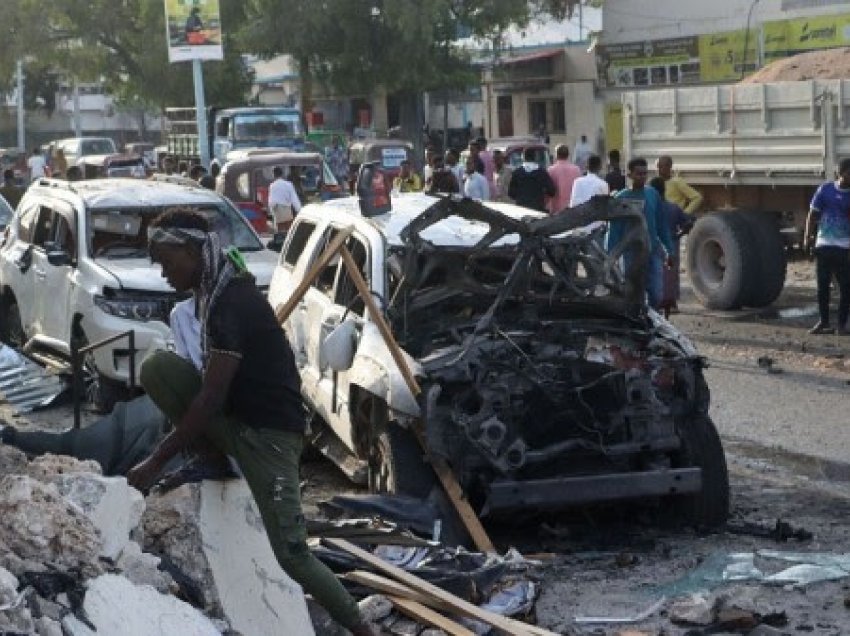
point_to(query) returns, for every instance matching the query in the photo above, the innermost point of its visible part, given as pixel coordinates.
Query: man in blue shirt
(830, 214)
(660, 243)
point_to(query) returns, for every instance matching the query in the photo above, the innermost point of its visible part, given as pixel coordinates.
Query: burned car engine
(547, 381)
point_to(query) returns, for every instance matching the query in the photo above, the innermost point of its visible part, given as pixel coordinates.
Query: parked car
(546, 382)
(77, 147)
(246, 177)
(111, 166)
(76, 266)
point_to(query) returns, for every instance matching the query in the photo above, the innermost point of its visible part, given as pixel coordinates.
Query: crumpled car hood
(141, 274)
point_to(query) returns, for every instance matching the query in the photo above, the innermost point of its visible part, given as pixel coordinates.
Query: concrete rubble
(82, 554)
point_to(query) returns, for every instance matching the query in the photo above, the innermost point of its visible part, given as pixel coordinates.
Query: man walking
(828, 226)
(10, 190)
(660, 243)
(475, 186)
(407, 180)
(337, 159)
(564, 173)
(615, 177)
(37, 165)
(246, 403)
(502, 177)
(582, 153)
(590, 185)
(531, 184)
(284, 203)
(676, 189)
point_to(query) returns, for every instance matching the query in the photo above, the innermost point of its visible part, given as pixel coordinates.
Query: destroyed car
(75, 267)
(546, 382)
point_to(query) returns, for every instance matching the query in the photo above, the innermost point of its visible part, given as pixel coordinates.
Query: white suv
(546, 382)
(75, 264)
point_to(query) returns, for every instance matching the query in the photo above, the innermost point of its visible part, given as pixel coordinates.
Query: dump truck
(757, 153)
(234, 129)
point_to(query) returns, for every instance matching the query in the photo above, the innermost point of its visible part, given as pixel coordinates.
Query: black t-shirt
(266, 392)
(616, 180)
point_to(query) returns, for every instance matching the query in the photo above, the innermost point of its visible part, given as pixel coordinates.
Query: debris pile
(825, 64)
(72, 559)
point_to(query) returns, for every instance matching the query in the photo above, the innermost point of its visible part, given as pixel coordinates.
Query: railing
(77, 354)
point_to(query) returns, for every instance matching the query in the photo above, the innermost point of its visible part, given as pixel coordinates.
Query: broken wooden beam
(284, 309)
(422, 614)
(458, 605)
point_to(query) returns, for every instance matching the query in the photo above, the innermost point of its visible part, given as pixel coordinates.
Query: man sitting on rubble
(246, 403)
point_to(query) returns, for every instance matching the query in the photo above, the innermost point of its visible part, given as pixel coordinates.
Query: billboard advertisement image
(193, 30)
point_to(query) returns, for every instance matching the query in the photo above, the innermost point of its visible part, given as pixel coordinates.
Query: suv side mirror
(59, 257)
(339, 346)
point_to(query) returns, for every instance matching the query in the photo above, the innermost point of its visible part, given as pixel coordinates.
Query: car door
(318, 314)
(41, 237)
(17, 263)
(53, 298)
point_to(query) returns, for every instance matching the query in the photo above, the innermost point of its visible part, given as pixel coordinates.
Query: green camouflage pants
(269, 459)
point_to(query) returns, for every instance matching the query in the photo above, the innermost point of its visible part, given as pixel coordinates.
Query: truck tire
(701, 447)
(770, 254)
(721, 261)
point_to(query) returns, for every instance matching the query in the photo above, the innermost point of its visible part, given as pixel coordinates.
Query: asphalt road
(798, 399)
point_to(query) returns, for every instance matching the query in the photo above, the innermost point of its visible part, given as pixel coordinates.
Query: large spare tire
(722, 262)
(770, 255)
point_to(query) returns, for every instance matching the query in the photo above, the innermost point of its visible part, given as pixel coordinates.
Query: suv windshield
(123, 232)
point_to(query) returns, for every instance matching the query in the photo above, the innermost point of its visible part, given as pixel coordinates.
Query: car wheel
(11, 328)
(100, 392)
(701, 447)
(396, 463)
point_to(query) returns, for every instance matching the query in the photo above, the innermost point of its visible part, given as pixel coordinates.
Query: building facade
(656, 44)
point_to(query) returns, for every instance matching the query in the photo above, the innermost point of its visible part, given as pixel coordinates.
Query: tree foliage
(119, 43)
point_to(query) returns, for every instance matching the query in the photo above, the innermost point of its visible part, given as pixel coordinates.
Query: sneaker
(821, 328)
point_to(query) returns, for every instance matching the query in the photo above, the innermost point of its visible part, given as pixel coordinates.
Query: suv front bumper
(562, 492)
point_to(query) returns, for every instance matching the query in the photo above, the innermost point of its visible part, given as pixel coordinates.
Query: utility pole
(19, 68)
(201, 113)
(78, 126)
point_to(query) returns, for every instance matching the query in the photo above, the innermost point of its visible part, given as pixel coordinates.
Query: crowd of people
(669, 202)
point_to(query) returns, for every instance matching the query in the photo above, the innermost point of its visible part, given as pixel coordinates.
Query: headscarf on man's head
(218, 268)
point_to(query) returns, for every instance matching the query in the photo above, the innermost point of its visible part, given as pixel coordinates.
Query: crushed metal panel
(26, 385)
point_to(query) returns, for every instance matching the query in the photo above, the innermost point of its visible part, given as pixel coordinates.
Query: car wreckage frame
(547, 380)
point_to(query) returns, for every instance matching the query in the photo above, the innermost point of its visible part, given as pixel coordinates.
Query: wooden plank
(444, 473)
(455, 493)
(393, 588)
(284, 309)
(378, 318)
(459, 606)
(422, 614)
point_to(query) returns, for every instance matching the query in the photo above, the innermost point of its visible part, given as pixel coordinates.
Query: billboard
(649, 63)
(722, 57)
(193, 30)
(788, 37)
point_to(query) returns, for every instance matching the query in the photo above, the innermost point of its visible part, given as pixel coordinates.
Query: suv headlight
(141, 309)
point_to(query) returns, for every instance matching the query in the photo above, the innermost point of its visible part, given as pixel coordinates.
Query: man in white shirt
(475, 185)
(36, 165)
(582, 153)
(590, 185)
(284, 203)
